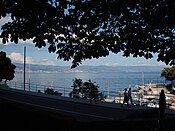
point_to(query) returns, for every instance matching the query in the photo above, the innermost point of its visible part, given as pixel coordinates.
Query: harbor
(147, 95)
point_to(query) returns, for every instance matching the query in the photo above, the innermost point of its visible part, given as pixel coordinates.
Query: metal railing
(63, 90)
(110, 96)
(39, 88)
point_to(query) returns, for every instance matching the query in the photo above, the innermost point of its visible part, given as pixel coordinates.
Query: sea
(106, 80)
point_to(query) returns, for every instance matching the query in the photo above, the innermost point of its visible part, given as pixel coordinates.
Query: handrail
(111, 96)
(38, 87)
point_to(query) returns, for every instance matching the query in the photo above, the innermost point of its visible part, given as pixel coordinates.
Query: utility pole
(24, 67)
(29, 77)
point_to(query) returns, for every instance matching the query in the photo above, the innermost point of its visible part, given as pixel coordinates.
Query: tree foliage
(85, 90)
(7, 69)
(168, 73)
(84, 29)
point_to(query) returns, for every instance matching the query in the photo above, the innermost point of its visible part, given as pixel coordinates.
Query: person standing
(162, 104)
(130, 96)
(126, 98)
(162, 107)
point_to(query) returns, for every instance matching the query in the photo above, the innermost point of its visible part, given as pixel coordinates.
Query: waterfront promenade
(147, 94)
(134, 118)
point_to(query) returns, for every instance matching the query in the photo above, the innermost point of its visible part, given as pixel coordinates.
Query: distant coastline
(34, 68)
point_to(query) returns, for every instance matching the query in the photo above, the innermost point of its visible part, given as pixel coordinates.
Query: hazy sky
(35, 55)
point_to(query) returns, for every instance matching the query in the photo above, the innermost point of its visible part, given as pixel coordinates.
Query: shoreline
(147, 95)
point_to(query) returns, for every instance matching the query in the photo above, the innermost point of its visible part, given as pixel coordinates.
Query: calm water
(111, 81)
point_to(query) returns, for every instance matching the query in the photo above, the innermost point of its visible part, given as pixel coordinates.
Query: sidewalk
(170, 114)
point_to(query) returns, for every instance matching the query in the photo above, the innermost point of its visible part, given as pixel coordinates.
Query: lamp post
(24, 66)
(29, 77)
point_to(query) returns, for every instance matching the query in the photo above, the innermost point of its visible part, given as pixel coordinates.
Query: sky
(35, 55)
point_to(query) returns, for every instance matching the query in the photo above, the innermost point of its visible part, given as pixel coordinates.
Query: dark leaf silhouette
(79, 30)
(7, 69)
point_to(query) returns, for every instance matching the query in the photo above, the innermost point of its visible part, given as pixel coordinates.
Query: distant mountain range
(83, 68)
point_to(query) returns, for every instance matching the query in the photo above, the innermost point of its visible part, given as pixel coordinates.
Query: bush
(52, 92)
